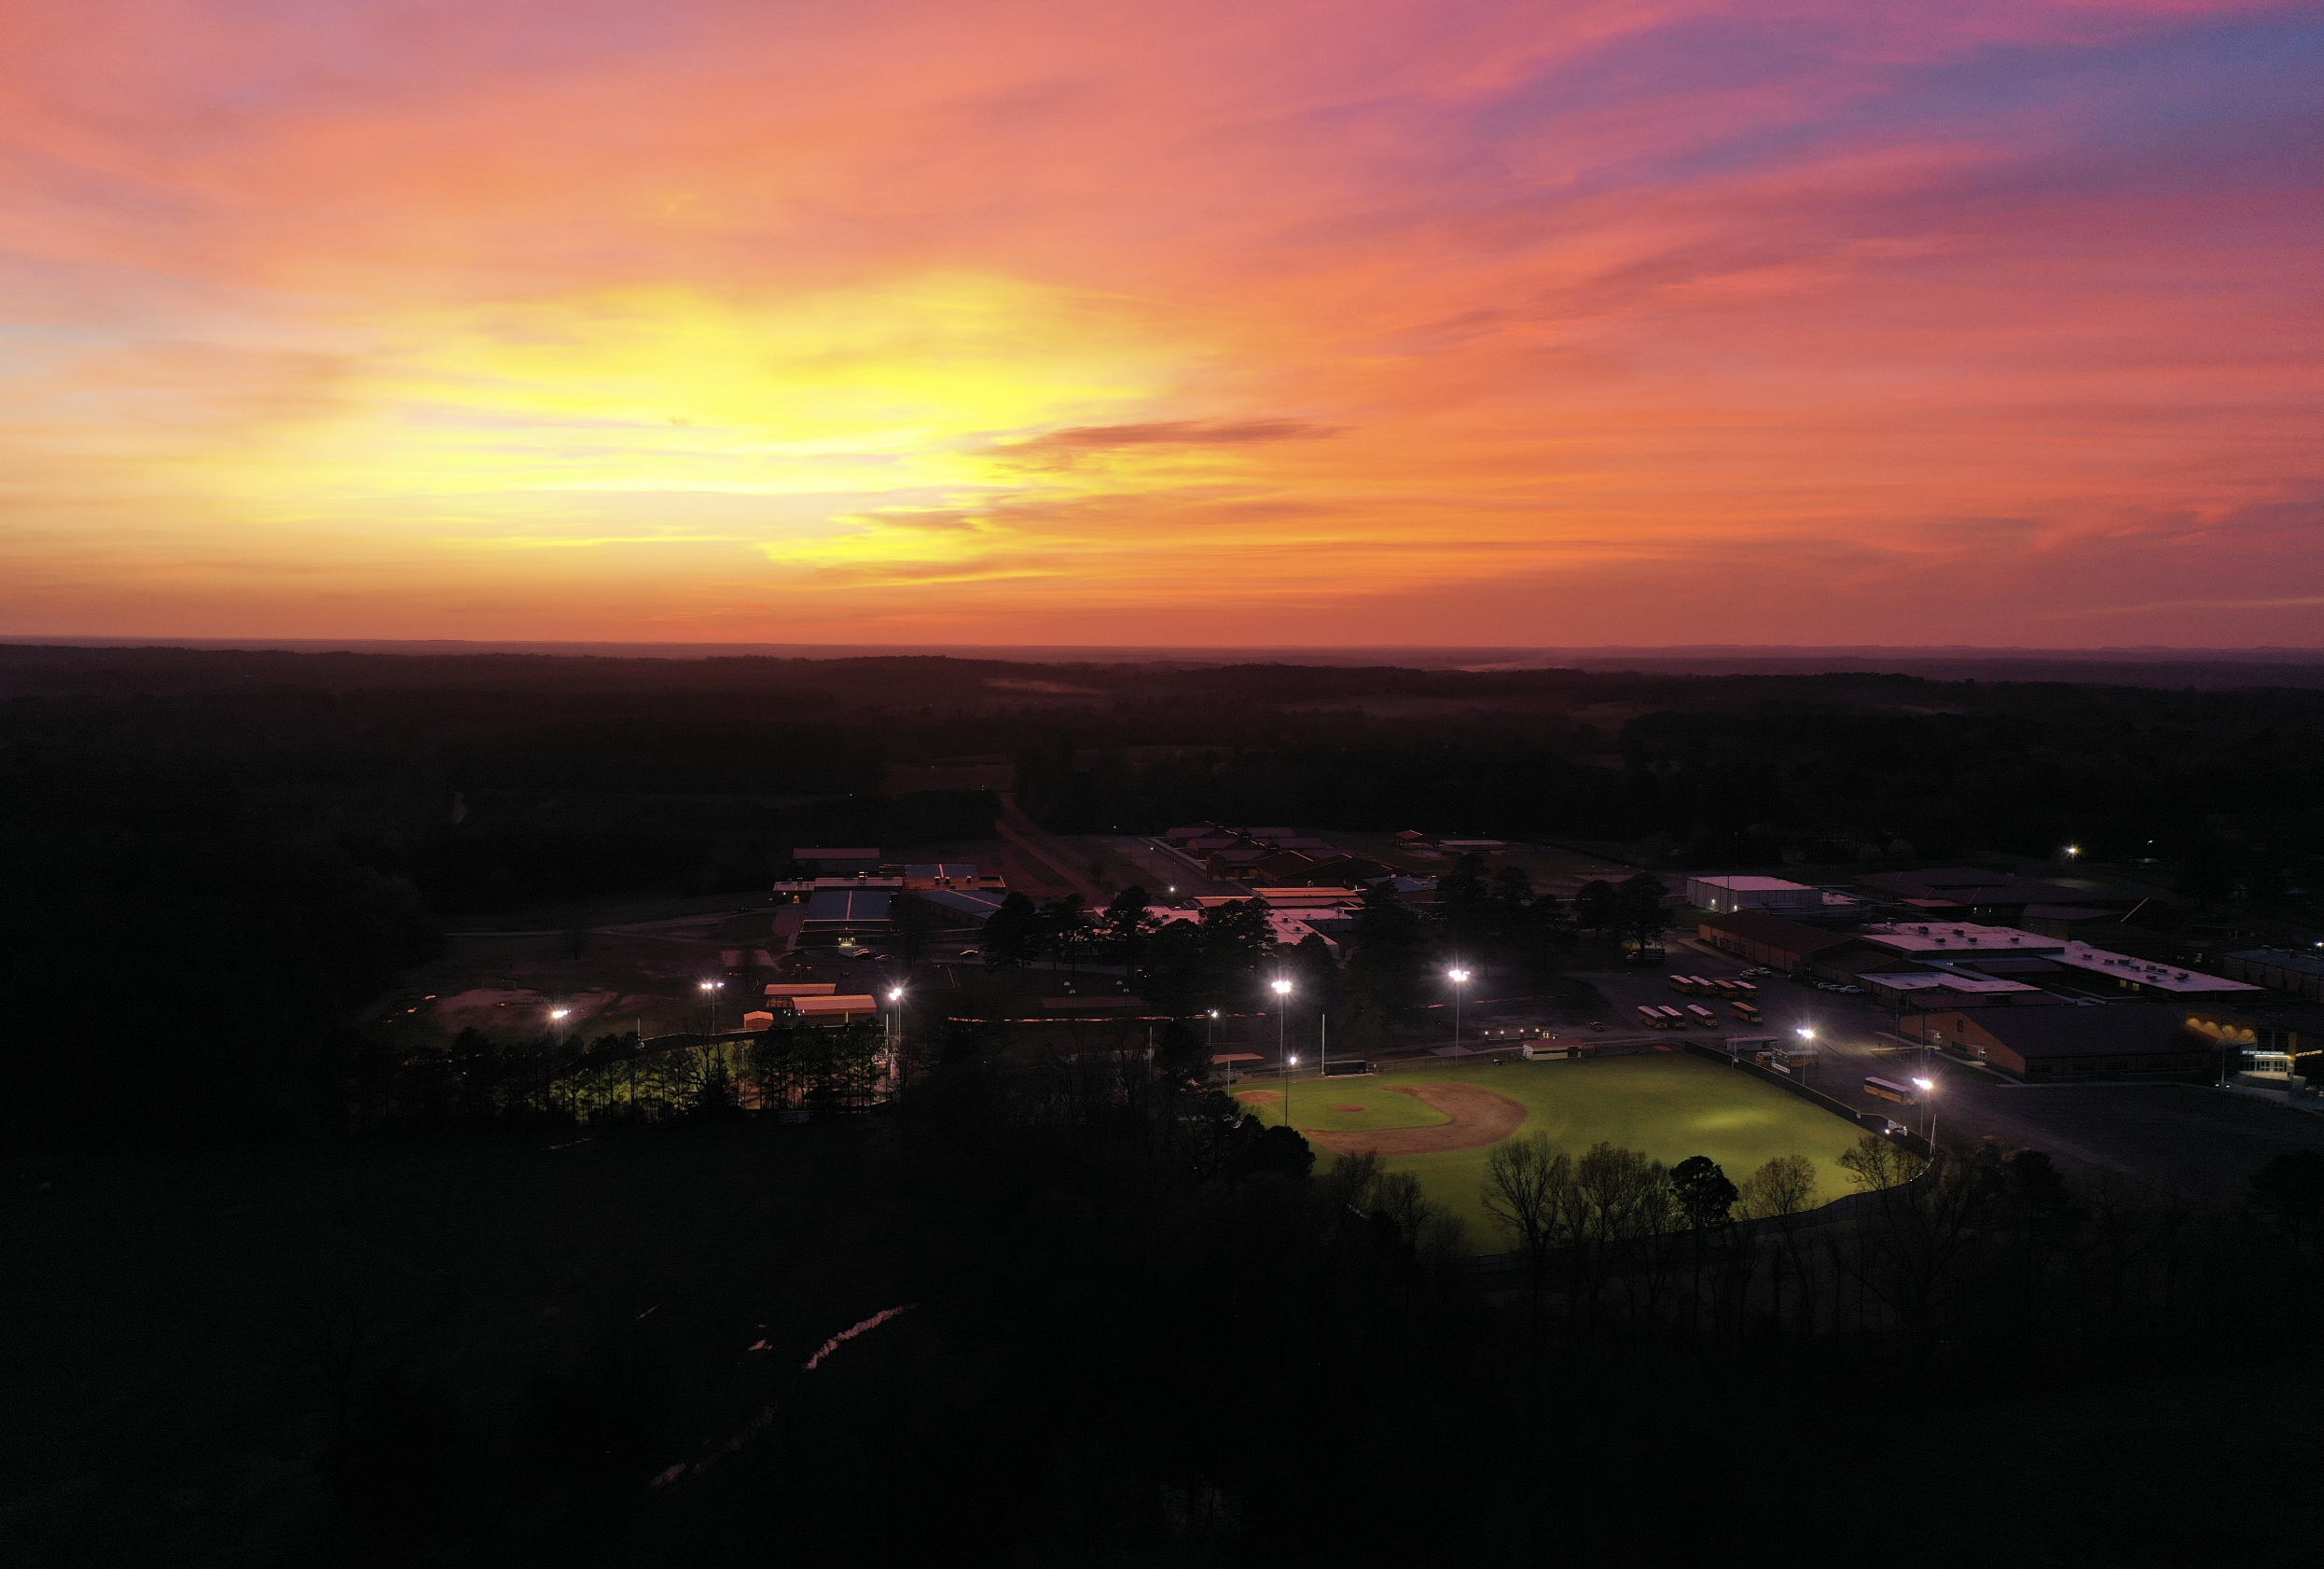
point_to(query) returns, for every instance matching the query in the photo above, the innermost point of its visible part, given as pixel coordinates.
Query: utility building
(1724, 895)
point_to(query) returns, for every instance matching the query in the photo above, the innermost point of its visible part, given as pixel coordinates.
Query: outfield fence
(1832, 1104)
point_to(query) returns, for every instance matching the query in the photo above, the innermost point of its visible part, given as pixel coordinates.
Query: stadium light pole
(1281, 989)
(1928, 1087)
(895, 1038)
(709, 994)
(1807, 1034)
(1459, 977)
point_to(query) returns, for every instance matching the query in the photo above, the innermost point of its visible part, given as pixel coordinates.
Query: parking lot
(2185, 1137)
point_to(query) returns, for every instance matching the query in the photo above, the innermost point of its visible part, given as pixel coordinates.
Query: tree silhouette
(1704, 1192)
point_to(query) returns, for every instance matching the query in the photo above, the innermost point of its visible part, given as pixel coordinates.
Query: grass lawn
(1670, 1105)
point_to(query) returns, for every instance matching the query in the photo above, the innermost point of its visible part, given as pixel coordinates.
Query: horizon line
(663, 647)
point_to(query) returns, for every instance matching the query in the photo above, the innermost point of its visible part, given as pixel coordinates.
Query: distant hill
(2202, 669)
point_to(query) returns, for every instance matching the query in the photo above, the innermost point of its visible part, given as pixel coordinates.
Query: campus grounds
(1441, 1122)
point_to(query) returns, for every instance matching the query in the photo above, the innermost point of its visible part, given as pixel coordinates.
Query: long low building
(840, 910)
(837, 1009)
(2144, 976)
(2121, 1040)
(2300, 974)
(1932, 991)
(1767, 939)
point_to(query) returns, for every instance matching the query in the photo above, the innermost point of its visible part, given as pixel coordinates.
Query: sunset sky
(906, 321)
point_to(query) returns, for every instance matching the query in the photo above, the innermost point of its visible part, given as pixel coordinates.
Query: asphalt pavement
(2178, 1135)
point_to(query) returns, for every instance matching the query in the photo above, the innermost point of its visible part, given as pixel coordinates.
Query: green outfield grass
(1667, 1105)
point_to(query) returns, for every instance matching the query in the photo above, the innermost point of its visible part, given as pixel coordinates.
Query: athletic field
(1439, 1122)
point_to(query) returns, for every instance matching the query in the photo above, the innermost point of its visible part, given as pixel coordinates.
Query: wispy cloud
(1489, 322)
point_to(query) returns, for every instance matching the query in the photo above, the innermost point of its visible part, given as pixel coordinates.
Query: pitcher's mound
(1479, 1117)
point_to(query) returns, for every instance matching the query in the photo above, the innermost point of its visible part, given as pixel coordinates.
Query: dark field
(184, 1327)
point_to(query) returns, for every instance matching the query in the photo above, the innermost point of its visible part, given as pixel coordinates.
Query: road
(1168, 876)
(1032, 840)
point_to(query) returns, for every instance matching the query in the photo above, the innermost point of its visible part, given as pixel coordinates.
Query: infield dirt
(1479, 1117)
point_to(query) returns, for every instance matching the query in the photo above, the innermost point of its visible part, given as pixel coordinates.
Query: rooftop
(977, 904)
(1308, 895)
(1951, 980)
(850, 904)
(2283, 959)
(1753, 885)
(1967, 885)
(2144, 972)
(1957, 936)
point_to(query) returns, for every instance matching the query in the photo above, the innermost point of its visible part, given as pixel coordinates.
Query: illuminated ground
(1670, 1105)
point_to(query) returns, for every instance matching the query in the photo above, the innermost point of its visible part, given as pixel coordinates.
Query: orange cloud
(1480, 323)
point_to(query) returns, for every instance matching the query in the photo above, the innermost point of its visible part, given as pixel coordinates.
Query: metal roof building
(838, 910)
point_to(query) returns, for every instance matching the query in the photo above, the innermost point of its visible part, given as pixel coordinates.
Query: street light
(1281, 989)
(709, 989)
(1807, 1034)
(1928, 1087)
(558, 1014)
(1459, 977)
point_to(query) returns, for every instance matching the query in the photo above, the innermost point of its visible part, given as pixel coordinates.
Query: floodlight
(1280, 987)
(1924, 1084)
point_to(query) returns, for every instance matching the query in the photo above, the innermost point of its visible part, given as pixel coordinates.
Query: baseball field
(1439, 1123)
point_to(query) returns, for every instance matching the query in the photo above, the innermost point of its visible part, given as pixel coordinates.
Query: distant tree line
(479, 1083)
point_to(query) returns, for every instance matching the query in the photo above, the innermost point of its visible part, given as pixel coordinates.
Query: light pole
(709, 994)
(1806, 1035)
(1281, 988)
(1459, 977)
(1294, 1061)
(895, 1038)
(1928, 1087)
(557, 1015)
